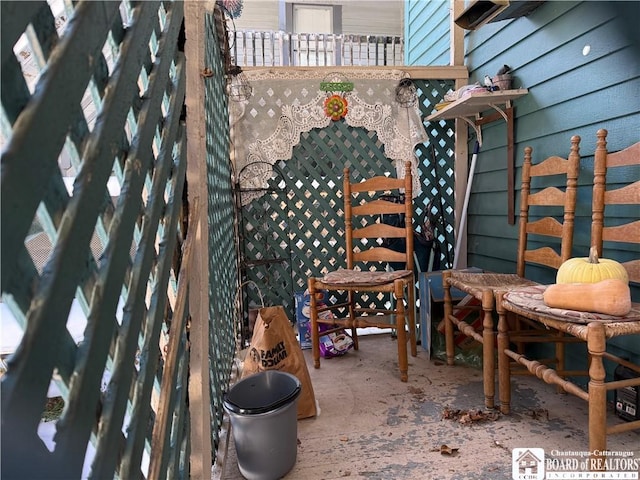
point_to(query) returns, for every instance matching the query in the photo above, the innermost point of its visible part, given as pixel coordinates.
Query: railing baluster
(253, 47)
(313, 53)
(235, 46)
(375, 49)
(385, 42)
(273, 49)
(393, 51)
(244, 49)
(312, 39)
(308, 42)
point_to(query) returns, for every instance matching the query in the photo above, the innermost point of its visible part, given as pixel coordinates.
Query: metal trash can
(264, 421)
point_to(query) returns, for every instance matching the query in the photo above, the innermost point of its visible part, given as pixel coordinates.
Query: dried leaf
(450, 413)
(539, 414)
(468, 416)
(416, 391)
(447, 450)
(465, 418)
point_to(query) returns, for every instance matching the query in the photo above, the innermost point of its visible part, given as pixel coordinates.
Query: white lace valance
(284, 104)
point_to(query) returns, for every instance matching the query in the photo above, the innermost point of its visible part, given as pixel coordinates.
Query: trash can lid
(262, 392)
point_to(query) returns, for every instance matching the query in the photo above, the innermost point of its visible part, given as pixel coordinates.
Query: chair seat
(476, 283)
(348, 277)
(530, 298)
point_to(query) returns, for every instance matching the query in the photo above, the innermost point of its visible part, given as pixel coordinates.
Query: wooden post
(511, 169)
(511, 156)
(199, 388)
(461, 149)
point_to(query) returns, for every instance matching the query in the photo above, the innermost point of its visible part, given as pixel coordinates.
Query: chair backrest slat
(364, 235)
(377, 184)
(543, 256)
(379, 230)
(378, 207)
(379, 254)
(602, 197)
(548, 226)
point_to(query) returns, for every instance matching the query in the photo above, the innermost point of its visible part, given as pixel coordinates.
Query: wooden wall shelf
(470, 108)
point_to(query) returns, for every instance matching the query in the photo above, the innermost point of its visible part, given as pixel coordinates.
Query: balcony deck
(372, 426)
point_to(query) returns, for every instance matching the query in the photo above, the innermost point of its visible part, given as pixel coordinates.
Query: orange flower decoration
(336, 107)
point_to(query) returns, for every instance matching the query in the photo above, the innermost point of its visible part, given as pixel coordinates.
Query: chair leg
(403, 361)
(412, 319)
(504, 366)
(352, 317)
(448, 312)
(488, 349)
(596, 343)
(315, 334)
(560, 361)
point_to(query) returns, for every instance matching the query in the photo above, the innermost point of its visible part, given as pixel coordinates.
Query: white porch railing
(277, 49)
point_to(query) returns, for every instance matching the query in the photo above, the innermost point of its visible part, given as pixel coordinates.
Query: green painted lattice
(223, 269)
(91, 100)
(295, 229)
(436, 158)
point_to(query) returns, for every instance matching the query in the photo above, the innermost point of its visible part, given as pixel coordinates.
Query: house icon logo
(527, 464)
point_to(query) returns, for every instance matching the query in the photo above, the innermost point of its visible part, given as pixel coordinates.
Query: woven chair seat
(475, 283)
(359, 278)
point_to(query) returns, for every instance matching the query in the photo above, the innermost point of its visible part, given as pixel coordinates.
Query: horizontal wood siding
(359, 17)
(569, 94)
(426, 32)
(572, 91)
(372, 17)
(258, 16)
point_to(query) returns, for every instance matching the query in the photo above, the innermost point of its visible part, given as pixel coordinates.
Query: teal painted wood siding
(426, 32)
(581, 64)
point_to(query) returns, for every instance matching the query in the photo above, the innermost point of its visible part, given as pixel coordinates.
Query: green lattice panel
(436, 160)
(223, 270)
(93, 92)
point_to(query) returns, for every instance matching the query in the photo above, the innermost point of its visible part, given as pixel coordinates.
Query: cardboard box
(303, 320)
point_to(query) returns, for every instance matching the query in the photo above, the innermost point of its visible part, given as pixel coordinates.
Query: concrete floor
(372, 426)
